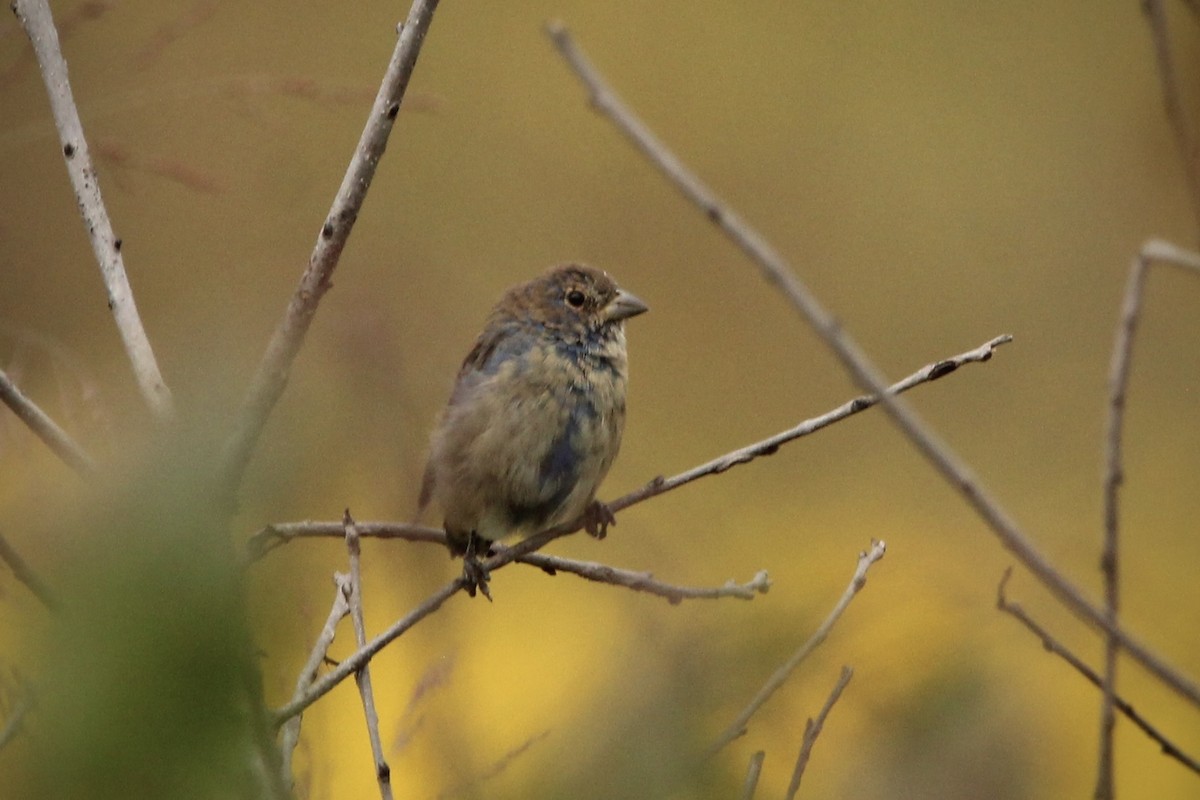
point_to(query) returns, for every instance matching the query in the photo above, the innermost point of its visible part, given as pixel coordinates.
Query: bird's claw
(476, 577)
(596, 519)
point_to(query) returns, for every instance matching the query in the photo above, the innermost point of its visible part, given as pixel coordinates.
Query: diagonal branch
(45, 428)
(812, 729)
(750, 785)
(1052, 645)
(738, 727)
(780, 273)
(27, 576)
(272, 375)
(279, 534)
(645, 582)
(1185, 131)
(291, 730)
(35, 18)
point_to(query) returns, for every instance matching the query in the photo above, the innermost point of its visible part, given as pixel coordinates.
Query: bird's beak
(624, 306)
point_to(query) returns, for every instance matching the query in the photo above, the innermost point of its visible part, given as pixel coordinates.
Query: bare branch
(302, 699)
(738, 728)
(1057, 648)
(431, 604)
(278, 534)
(644, 581)
(812, 729)
(1152, 252)
(35, 18)
(27, 576)
(54, 437)
(752, 773)
(269, 537)
(938, 453)
(272, 375)
(339, 609)
(1185, 133)
(771, 444)
(494, 770)
(383, 773)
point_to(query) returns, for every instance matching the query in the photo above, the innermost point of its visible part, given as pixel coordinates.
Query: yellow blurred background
(939, 173)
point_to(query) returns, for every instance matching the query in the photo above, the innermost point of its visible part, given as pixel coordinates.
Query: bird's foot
(596, 519)
(475, 575)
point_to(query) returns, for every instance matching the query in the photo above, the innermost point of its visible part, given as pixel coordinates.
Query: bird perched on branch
(535, 418)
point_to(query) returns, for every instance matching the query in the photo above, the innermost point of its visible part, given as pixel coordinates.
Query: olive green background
(938, 173)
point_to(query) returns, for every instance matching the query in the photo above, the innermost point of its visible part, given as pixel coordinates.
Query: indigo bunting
(535, 417)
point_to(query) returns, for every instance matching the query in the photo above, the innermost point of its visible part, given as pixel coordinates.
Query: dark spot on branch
(117, 244)
(69, 150)
(942, 368)
(714, 214)
(393, 110)
(859, 403)
(769, 450)
(327, 230)
(383, 772)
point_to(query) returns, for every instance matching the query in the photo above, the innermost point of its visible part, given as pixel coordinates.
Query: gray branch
(35, 18)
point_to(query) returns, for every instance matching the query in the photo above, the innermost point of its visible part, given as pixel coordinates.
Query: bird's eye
(575, 298)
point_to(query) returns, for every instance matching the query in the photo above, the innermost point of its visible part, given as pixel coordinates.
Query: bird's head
(573, 300)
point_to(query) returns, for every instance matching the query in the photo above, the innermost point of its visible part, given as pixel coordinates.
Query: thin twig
(644, 581)
(1057, 648)
(302, 699)
(38, 421)
(383, 773)
(938, 453)
(753, 771)
(771, 444)
(738, 727)
(470, 786)
(35, 18)
(27, 576)
(1152, 252)
(339, 609)
(278, 534)
(812, 729)
(272, 375)
(1185, 134)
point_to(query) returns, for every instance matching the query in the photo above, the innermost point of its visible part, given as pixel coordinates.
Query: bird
(535, 417)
